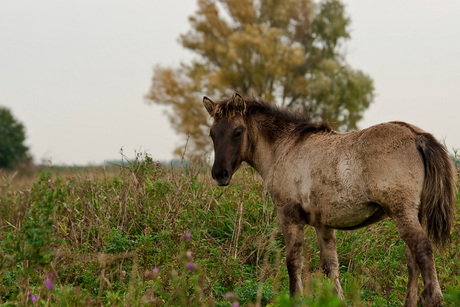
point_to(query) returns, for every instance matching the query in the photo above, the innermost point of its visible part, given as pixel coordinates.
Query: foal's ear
(239, 102)
(209, 105)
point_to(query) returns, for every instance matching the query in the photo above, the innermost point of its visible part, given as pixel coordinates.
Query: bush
(12, 137)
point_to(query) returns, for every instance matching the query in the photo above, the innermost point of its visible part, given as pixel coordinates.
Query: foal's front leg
(293, 230)
(328, 256)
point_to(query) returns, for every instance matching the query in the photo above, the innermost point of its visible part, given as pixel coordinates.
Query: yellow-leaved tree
(288, 52)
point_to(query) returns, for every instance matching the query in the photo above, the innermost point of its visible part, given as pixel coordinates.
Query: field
(144, 234)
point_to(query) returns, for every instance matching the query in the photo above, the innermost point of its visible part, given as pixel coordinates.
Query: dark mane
(303, 125)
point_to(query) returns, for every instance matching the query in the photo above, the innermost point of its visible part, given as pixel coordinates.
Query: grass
(145, 234)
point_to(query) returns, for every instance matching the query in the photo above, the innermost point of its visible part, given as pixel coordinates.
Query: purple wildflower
(235, 304)
(369, 229)
(191, 266)
(49, 282)
(155, 272)
(32, 297)
(187, 236)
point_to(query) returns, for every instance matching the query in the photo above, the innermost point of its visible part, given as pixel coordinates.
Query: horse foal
(331, 180)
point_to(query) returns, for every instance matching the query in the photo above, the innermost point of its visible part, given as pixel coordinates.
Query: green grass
(116, 237)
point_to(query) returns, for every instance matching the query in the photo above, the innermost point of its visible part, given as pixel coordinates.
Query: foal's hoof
(433, 301)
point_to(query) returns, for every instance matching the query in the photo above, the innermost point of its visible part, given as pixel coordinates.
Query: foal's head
(229, 135)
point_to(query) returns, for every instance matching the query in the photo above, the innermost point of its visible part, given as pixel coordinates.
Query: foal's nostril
(222, 176)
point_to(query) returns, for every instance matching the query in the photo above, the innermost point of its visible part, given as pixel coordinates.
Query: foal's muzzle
(222, 176)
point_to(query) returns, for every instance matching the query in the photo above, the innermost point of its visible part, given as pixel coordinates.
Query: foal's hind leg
(413, 272)
(420, 248)
(328, 256)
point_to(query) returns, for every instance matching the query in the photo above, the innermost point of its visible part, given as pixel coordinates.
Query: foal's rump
(394, 166)
(412, 168)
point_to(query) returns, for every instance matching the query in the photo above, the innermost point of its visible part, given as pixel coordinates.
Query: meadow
(146, 234)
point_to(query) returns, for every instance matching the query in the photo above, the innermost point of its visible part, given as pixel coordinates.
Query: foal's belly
(348, 217)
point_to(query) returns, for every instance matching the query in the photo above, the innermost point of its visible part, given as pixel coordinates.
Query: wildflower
(155, 272)
(369, 229)
(32, 297)
(228, 295)
(191, 266)
(235, 304)
(187, 236)
(49, 282)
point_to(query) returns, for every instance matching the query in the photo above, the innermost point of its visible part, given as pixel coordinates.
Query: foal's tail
(439, 192)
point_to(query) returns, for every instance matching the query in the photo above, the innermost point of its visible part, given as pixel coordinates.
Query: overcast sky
(75, 72)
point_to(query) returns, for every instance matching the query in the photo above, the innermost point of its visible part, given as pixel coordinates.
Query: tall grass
(148, 234)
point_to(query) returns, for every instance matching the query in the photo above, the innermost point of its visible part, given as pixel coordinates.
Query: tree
(12, 137)
(288, 52)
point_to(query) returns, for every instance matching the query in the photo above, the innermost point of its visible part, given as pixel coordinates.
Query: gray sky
(75, 72)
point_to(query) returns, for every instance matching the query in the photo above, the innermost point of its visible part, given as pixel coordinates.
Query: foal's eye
(237, 132)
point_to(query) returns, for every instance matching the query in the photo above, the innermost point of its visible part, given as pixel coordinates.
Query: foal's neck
(268, 135)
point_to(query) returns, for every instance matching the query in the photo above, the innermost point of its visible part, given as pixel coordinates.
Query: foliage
(323, 296)
(144, 234)
(12, 137)
(288, 52)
